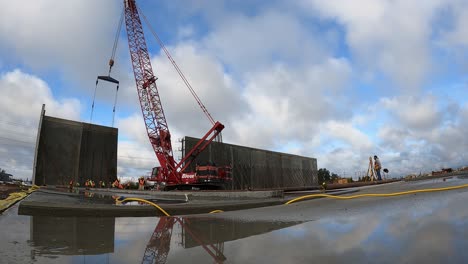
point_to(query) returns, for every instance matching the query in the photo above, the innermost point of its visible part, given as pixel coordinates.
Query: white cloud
(24, 96)
(393, 137)
(73, 37)
(216, 89)
(291, 103)
(250, 42)
(20, 106)
(390, 36)
(349, 134)
(415, 113)
(420, 142)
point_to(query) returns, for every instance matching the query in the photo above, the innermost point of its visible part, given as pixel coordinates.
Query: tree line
(326, 176)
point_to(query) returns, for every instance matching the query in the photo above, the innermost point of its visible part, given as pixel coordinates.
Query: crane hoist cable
(108, 78)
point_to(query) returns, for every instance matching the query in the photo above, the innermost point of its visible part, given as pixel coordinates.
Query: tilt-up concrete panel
(69, 150)
(257, 168)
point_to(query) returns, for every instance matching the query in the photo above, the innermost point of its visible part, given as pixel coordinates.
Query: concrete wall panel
(73, 150)
(256, 168)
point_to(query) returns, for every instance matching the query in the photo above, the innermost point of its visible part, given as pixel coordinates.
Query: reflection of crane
(158, 246)
(169, 173)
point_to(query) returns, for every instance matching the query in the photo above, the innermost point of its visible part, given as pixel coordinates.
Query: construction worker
(323, 187)
(141, 184)
(70, 185)
(92, 183)
(103, 184)
(117, 184)
(377, 167)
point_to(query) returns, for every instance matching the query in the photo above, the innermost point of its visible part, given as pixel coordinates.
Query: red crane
(170, 173)
(158, 246)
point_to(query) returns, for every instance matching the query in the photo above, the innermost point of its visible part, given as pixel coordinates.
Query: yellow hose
(376, 194)
(216, 211)
(144, 201)
(153, 204)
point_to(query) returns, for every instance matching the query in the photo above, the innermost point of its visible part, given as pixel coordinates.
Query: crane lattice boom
(150, 102)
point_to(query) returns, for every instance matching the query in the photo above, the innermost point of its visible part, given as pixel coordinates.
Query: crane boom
(150, 102)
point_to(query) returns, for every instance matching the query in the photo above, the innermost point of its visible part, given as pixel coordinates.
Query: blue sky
(339, 81)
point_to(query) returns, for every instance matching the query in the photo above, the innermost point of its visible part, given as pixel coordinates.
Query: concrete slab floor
(419, 228)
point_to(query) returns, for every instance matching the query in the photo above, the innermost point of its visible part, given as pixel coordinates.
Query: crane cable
(121, 199)
(116, 40)
(179, 71)
(111, 63)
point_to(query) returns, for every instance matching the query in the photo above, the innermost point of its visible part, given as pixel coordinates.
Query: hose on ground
(120, 200)
(375, 194)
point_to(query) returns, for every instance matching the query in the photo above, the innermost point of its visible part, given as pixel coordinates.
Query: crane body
(170, 174)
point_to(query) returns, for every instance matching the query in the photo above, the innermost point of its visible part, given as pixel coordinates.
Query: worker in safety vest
(92, 183)
(141, 184)
(103, 184)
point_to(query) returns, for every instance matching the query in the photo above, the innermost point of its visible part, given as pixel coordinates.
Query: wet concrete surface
(418, 228)
(102, 204)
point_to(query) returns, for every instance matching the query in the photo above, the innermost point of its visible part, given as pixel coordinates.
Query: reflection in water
(209, 233)
(52, 236)
(72, 235)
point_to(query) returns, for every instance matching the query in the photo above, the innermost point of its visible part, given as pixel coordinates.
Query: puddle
(423, 229)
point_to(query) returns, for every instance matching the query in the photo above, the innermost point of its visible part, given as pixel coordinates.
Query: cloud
(290, 103)
(71, 37)
(419, 140)
(20, 106)
(347, 133)
(415, 113)
(250, 42)
(216, 89)
(457, 35)
(388, 36)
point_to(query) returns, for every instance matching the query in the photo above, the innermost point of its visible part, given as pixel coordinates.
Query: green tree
(334, 177)
(323, 175)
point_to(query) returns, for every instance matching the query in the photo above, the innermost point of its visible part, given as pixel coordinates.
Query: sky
(335, 80)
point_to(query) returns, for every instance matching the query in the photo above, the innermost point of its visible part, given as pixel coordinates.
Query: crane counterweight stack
(169, 173)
